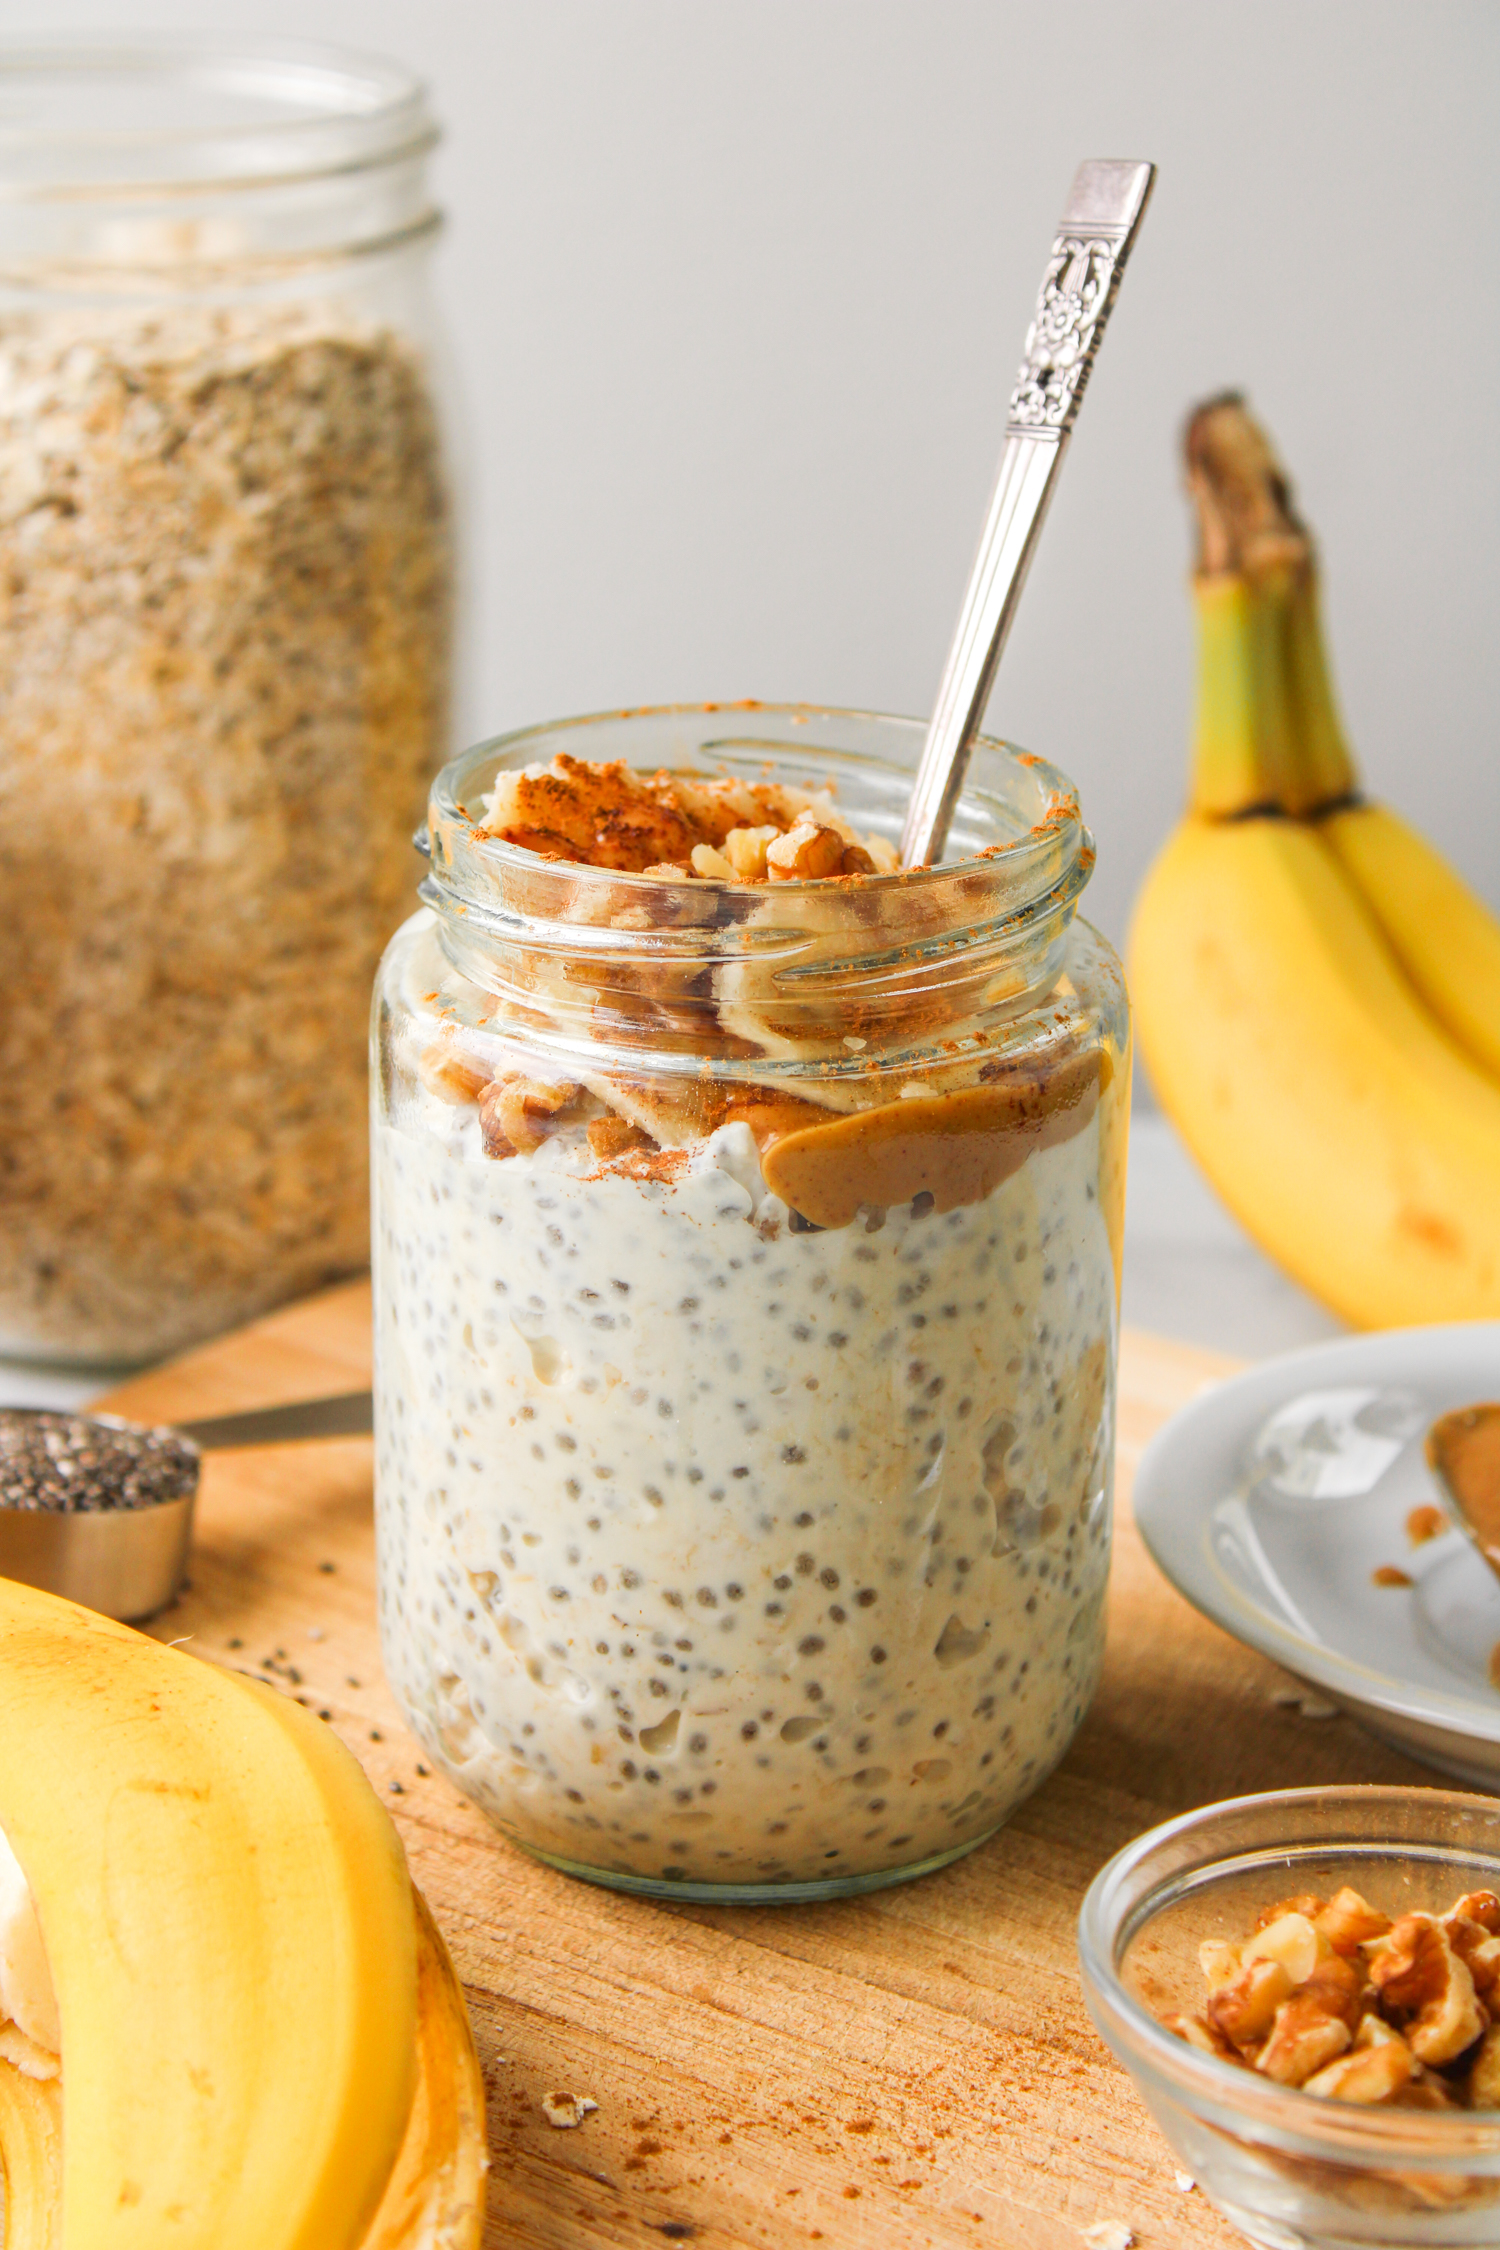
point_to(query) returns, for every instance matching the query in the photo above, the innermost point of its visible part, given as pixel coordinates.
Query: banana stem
(1267, 735)
(1245, 751)
(1323, 770)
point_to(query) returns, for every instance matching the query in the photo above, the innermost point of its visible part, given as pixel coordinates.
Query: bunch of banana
(1317, 994)
(263, 2045)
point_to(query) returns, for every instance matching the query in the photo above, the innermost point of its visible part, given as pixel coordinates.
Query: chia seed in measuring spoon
(78, 1463)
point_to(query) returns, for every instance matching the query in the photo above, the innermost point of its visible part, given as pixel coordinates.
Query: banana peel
(435, 2196)
(263, 2043)
(31, 2149)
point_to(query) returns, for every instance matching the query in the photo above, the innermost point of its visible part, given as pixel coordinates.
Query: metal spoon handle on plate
(1094, 238)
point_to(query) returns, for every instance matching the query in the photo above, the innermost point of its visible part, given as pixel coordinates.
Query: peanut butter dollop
(1463, 1449)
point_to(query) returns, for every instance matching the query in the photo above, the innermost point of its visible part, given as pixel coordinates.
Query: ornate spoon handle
(1094, 239)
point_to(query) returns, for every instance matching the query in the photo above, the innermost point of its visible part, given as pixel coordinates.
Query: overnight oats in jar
(747, 1229)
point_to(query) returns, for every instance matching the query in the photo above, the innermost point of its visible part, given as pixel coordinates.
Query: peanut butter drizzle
(1463, 1449)
(956, 1147)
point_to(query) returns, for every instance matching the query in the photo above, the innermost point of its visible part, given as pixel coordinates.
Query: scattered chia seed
(74, 1463)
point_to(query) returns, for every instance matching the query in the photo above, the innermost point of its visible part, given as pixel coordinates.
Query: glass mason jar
(225, 593)
(746, 1282)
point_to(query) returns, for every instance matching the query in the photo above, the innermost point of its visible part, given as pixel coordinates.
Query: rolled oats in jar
(224, 624)
(747, 1220)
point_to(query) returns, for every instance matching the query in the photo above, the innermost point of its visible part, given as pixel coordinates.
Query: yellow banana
(1316, 996)
(217, 1884)
(1332, 1116)
(1268, 730)
(1446, 940)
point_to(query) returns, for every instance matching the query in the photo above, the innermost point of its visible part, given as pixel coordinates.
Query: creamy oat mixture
(717, 1547)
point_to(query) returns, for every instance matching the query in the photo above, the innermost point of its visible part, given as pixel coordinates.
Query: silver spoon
(1094, 238)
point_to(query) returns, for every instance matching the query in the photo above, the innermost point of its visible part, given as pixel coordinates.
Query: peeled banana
(263, 2046)
(1316, 994)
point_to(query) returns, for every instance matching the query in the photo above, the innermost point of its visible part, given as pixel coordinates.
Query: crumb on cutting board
(566, 2110)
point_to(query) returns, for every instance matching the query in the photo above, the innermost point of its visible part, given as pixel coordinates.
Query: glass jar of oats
(747, 1231)
(225, 592)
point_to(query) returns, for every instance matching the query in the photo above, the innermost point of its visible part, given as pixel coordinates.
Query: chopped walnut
(1304, 2037)
(1244, 2009)
(1367, 2075)
(1219, 1961)
(1484, 2073)
(678, 826)
(567, 2111)
(1427, 2089)
(1482, 1907)
(745, 849)
(1477, 1949)
(1421, 1979)
(1305, 1903)
(1334, 1997)
(805, 854)
(1201, 2035)
(1293, 1941)
(1109, 2234)
(1348, 1921)
(1374, 2031)
(519, 1113)
(451, 1078)
(612, 1136)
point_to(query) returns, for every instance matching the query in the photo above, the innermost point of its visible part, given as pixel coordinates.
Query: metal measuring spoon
(100, 1510)
(1463, 1453)
(1094, 238)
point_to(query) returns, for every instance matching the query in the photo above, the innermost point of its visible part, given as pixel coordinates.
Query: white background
(738, 288)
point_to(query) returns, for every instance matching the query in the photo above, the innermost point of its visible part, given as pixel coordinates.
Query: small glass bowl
(1290, 2170)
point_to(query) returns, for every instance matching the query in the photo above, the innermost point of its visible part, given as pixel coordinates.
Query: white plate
(1276, 1532)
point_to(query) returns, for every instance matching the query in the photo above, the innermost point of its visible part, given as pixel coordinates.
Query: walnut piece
(1427, 1986)
(1484, 2072)
(1244, 2009)
(745, 849)
(1348, 1921)
(1368, 2075)
(805, 854)
(1290, 1939)
(1333, 1997)
(1477, 1949)
(450, 1077)
(1201, 2035)
(521, 1112)
(612, 1136)
(1304, 2037)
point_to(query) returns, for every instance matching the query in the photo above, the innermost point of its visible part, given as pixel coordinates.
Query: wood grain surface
(908, 2070)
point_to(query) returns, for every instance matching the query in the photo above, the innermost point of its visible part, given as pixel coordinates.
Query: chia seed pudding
(744, 1456)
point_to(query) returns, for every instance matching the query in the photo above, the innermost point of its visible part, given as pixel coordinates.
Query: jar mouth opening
(917, 959)
(1018, 825)
(170, 114)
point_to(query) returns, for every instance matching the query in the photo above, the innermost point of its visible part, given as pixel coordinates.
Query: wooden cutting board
(908, 2070)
